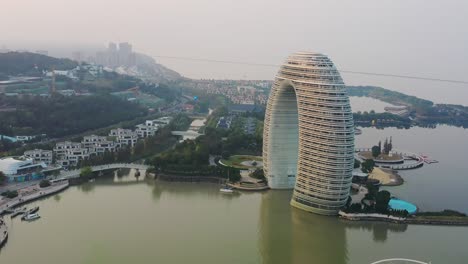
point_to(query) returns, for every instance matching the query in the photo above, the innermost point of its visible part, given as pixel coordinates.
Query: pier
(3, 233)
(30, 194)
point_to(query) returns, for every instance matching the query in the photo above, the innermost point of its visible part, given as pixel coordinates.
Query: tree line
(59, 116)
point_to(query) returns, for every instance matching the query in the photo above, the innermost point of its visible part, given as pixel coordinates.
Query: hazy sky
(412, 37)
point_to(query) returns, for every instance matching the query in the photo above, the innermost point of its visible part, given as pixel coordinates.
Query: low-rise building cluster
(238, 92)
(34, 163)
(71, 153)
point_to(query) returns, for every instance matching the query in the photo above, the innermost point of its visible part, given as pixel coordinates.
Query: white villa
(61, 148)
(40, 155)
(124, 136)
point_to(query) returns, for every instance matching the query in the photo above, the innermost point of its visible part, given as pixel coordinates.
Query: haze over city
(420, 38)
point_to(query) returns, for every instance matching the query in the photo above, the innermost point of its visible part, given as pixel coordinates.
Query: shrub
(10, 194)
(44, 183)
(258, 174)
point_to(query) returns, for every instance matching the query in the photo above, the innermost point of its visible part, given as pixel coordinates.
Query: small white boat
(226, 189)
(31, 217)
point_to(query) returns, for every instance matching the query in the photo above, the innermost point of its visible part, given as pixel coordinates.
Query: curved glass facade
(308, 139)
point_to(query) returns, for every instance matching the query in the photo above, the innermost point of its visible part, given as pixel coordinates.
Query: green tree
(225, 155)
(234, 175)
(44, 183)
(381, 201)
(357, 163)
(367, 166)
(375, 151)
(86, 172)
(258, 174)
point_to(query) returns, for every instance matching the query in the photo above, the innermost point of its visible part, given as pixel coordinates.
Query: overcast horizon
(420, 38)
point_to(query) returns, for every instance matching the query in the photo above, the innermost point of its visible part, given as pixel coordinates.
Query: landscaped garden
(243, 161)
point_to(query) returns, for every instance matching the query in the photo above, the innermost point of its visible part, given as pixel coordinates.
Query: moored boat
(31, 217)
(226, 189)
(33, 210)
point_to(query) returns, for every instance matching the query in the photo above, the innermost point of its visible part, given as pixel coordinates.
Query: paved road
(73, 174)
(17, 185)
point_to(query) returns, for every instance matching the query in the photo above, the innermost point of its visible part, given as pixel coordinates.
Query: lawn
(368, 155)
(236, 160)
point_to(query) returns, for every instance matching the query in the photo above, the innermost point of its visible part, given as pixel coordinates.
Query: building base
(311, 209)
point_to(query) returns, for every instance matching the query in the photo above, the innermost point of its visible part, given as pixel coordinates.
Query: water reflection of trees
(379, 230)
(57, 197)
(188, 189)
(86, 187)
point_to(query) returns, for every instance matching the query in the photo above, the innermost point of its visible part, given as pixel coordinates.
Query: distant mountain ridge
(32, 64)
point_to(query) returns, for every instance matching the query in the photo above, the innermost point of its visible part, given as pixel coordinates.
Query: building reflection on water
(288, 235)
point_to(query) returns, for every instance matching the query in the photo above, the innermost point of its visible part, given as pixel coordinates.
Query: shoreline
(387, 177)
(195, 179)
(414, 220)
(37, 194)
(3, 233)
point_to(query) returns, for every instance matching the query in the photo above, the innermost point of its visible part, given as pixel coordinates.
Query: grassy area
(236, 160)
(368, 155)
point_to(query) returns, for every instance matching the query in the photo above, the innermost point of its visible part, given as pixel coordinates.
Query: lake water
(128, 221)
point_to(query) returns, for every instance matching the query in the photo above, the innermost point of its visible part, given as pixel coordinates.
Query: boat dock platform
(30, 194)
(3, 233)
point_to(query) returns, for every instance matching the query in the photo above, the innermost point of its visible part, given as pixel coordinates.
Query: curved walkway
(406, 156)
(3, 233)
(112, 166)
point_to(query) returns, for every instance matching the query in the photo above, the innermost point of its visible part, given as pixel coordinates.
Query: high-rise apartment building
(308, 140)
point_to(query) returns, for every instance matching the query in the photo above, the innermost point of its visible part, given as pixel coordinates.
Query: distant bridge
(112, 166)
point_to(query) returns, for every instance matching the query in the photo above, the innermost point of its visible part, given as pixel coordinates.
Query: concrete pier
(3, 233)
(29, 194)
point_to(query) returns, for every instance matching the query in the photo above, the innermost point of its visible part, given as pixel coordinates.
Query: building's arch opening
(284, 138)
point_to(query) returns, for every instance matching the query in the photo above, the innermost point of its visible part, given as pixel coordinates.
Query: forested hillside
(31, 64)
(59, 116)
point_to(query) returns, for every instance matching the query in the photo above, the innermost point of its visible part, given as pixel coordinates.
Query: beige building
(308, 139)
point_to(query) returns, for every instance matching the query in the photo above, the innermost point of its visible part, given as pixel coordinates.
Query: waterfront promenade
(415, 220)
(418, 160)
(3, 233)
(113, 166)
(29, 194)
